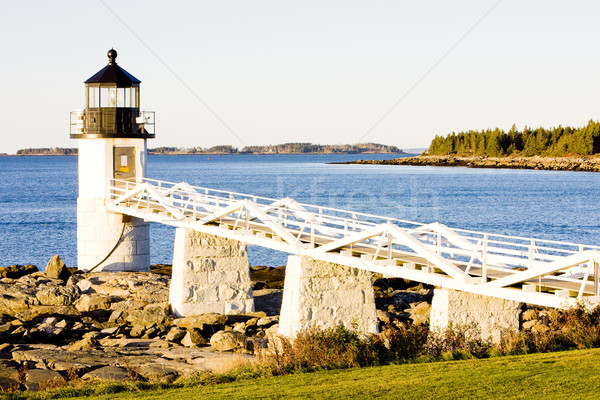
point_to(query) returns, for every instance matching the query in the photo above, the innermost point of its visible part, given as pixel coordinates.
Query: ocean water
(38, 198)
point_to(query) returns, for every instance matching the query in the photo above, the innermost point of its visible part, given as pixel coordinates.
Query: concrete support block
(318, 294)
(98, 233)
(483, 315)
(210, 274)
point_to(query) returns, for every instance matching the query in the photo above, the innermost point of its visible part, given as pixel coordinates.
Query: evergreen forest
(559, 141)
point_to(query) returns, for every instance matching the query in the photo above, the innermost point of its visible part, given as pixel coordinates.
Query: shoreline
(212, 154)
(589, 164)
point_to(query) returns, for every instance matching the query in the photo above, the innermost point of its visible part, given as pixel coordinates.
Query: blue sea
(38, 198)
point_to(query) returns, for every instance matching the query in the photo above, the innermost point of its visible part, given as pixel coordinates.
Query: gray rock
(530, 314)
(36, 314)
(150, 315)
(17, 271)
(175, 334)
(158, 373)
(193, 338)
(62, 324)
(117, 316)
(60, 360)
(529, 324)
(9, 375)
(383, 316)
(58, 295)
(272, 331)
(91, 302)
(540, 328)
(421, 309)
(267, 321)
(56, 268)
(11, 303)
(6, 347)
(108, 373)
(87, 343)
(228, 340)
(40, 379)
(110, 331)
(137, 331)
(198, 321)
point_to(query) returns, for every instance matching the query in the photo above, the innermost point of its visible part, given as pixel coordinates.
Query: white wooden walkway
(542, 272)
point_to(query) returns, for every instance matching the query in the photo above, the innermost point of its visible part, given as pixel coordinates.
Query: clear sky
(321, 71)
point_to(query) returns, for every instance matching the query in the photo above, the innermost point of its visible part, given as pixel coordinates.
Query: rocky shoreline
(62, 326)
(590, 164)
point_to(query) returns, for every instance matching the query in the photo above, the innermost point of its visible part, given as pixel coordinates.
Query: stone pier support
(319, 294)
(486, 315)
(210, 274)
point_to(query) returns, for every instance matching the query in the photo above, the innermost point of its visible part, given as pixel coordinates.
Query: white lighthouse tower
(112, 134)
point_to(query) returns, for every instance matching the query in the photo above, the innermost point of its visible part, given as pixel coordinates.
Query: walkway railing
(544, 272)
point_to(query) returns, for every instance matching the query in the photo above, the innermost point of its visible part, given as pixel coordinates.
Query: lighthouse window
(121, 97)
(135, 97)
(103, 97)
(112, 97)
(93, 97)
(108, 97)
(127, 97)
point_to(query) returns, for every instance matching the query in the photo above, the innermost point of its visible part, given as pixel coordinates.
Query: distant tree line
(45, 151)
(286, 148)
(559, 141)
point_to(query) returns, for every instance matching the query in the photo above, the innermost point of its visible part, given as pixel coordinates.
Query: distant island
(47, 151)
(286, 148)
(561, 148)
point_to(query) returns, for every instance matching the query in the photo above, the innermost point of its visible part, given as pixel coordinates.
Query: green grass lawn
(563, 375)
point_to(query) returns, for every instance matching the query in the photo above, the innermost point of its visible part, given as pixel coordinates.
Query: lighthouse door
(124, 162)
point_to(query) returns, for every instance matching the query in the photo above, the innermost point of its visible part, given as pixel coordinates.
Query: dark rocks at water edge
(591, 164)
(117, 325)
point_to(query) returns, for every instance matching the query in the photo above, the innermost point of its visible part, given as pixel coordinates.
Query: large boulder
(228, 340)
(56, 268)
(58, 295)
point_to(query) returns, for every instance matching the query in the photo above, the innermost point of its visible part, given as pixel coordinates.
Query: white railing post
(585, 278)
(246, 217)
(484, 261)
(312, 231)
(596, 279)
(531, 247)
(195, 207)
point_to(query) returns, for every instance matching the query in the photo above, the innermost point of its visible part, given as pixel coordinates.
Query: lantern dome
(113, 73)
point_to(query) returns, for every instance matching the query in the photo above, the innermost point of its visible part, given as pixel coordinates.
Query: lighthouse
(111, 133)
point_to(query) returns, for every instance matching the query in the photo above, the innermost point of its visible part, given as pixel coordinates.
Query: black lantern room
(112, 106)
